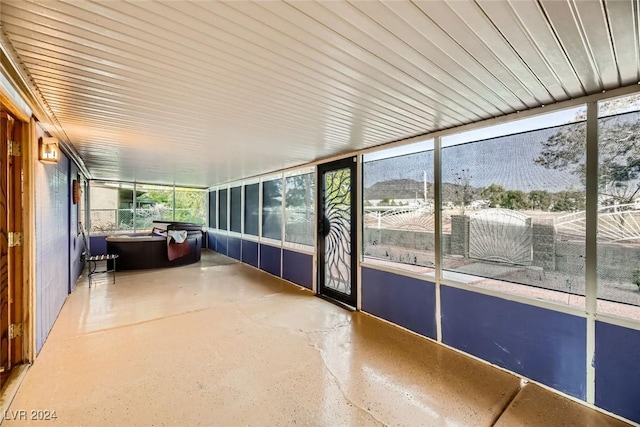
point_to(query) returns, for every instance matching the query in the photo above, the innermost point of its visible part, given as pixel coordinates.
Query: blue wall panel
(270, 259)
(234, 248)
(405, 301)
(618, 370)
(222, 244)
(98, 245)
(297, 268)
(53, 239)
(544, 345)
(250, 252)
(212, 241)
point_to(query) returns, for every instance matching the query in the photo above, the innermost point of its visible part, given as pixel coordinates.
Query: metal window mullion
(260, 202)
(242, 204)
(228, 214)
(174, 203)
(135, 206)
(316, 218)
(206, 209)
(591, 243)
(283, 221)
(437, 209)
(359, 231)
(217, 209)
(260, 188)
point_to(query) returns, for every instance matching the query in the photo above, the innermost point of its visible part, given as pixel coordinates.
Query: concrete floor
(220, 343)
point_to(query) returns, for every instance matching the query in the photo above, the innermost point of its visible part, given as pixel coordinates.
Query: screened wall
(272, 209)
(251, 209)
(504, 200)
(398, 206)
(259, 209)
(299, 220)
(517, 243)
(513, 207)
(272, 223)
(618, 212)
(120, 207)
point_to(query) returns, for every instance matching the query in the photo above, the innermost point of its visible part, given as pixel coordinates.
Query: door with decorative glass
(337, 230)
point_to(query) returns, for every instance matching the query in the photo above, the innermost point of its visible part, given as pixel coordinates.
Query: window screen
(618, 205)
(251, 209)
(236, 209)
(222, 210)
(272, 209)
(190, 205)
(213, 213)
(300, 209)
(509, 205)
(398, 205)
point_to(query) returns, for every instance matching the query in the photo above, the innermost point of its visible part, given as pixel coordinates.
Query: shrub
(636, 277)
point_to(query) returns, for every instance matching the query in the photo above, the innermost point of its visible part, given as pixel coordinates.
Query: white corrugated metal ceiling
(199, 93)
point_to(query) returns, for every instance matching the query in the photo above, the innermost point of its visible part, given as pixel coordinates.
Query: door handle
(324, 226)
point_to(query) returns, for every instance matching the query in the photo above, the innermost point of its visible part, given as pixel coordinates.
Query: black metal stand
(93, 265)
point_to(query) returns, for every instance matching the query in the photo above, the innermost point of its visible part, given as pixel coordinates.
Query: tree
(494, 193)
(338, 187)
(190, 205)
(514, 199)
(540, 199)
(619, 151)
(300, 189)
(568, 201)
(464, 190)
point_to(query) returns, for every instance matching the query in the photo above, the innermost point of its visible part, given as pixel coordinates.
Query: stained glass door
(336, 230)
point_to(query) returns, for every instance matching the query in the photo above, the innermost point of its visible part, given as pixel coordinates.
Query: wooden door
(11, 252)
(4, 249)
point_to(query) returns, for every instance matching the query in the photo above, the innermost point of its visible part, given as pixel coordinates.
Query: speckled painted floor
(221, 343)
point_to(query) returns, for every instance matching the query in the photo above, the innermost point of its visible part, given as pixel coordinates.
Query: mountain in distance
(403, 189)
(397, 189)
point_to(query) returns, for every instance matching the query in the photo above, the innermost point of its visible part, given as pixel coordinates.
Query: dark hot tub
(154, 250)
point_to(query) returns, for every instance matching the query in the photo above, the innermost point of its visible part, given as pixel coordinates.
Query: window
(111, 207)
(398, 207)
(190, 205)
(153, 203)
(300, 209)
(222, 211)
(236, 209)
(618, 205)
(213, 213)
(251, 208)
(510, 202)
(125, 207)
(272, 209)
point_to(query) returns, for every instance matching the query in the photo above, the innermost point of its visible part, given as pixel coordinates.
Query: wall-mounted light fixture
(49, 151)
(77, 192)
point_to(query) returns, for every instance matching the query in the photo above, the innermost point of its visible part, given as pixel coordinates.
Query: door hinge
(15, 239)
(15, 330)
(15, 149)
